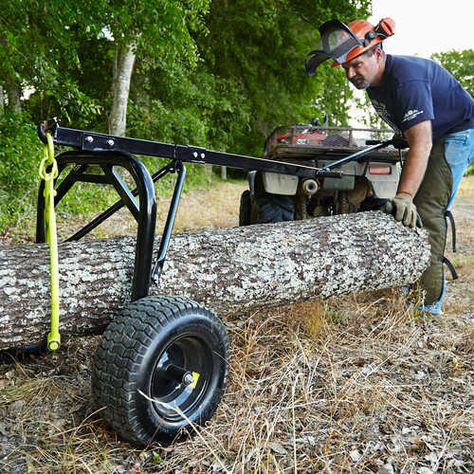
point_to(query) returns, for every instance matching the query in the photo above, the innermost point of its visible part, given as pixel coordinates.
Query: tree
(260, 47)
(220, 73)
(122, 74)
(460, 64)
(16, 30)
(149, 31)
(39, 55)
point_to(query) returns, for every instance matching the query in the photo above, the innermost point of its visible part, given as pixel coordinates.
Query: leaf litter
(356, 384)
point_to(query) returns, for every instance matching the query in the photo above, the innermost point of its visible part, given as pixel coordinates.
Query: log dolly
(161, 366)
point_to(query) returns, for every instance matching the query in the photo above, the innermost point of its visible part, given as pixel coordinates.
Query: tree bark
(122, 75)
(10, 86)
(228, 270)
(13, 91)
(2, 100)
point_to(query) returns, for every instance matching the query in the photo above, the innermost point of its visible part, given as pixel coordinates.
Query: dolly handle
(398, 143)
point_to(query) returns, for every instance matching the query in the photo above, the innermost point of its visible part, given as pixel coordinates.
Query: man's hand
(405, 210)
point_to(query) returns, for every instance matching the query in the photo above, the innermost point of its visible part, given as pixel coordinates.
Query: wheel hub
(181, 377)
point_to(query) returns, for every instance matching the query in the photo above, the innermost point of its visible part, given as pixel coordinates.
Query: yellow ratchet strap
(48, 172)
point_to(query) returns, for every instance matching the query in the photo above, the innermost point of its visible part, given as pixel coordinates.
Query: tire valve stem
(191, 379)
(188, 378)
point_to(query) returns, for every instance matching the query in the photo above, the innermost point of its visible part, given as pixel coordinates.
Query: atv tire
(245, 211)
(160, 367)
(273, 208)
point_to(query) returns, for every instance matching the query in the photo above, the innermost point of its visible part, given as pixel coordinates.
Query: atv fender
(282, 184)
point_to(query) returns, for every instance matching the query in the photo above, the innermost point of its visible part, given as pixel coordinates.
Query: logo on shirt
(411, 114)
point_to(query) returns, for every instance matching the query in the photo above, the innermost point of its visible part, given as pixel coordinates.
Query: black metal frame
(110, 152)
(144, 213)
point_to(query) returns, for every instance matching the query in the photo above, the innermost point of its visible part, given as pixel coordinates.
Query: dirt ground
(358, 384)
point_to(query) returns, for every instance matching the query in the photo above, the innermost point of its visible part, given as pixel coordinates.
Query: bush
(20, 155)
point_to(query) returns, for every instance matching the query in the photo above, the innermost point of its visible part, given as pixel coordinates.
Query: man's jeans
(459, 153)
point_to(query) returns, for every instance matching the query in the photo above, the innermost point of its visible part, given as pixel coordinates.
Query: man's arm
(420, 144)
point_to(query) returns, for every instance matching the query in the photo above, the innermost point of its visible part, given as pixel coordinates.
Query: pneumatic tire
(161, 365)
(245, 210)
(273, 208)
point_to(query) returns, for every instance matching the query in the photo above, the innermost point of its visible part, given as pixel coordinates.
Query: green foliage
(262, 47)
(20, 154)
(19, 162)
(460, 64)
(214, 73)
(40, 55)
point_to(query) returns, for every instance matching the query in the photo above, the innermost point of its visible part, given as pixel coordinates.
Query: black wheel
(343, 205)
(274, 208)
(161, 365)
(372, 203)
(245, 210)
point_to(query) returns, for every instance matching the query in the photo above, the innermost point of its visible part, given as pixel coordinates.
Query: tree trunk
(2, 100)
(228, 270)
(13, 91)
(11, 88)
(122, 75)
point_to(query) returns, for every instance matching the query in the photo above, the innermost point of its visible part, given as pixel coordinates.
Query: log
(228, 270)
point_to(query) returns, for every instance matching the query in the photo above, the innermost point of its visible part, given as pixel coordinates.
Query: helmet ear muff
(385, 28)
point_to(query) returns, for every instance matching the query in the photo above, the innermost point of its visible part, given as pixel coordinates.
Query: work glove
(403, 209)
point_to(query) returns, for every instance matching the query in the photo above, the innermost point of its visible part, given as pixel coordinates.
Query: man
(421, 100)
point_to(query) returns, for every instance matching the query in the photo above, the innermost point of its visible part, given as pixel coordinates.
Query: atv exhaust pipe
(310, 186)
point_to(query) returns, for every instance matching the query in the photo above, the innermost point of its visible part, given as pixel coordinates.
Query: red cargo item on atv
(309, 137)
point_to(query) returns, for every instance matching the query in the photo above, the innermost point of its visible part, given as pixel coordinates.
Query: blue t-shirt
(416, 89)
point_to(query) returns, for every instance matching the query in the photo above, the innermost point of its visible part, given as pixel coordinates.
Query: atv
(366, 183)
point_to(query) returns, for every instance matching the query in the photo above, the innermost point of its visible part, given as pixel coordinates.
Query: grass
(356, 384)
(298, 399)
(372, 389)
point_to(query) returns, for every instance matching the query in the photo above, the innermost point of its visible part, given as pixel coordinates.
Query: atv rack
(110, 152)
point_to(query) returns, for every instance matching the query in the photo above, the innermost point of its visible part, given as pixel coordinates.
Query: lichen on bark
(228, 270)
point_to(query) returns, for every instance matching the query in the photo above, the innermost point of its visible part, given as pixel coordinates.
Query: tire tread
(121, 352)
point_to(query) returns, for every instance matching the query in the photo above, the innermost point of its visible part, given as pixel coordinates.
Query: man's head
(366, 70)
(344, 43)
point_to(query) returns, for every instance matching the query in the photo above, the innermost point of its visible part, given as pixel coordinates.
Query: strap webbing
(448, 215)
(451, 268)
(48, 172)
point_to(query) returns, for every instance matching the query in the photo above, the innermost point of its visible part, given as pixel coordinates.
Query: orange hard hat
(369, 35)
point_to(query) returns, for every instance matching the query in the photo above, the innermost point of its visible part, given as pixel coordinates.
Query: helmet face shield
(315, 58)
(336, 42)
